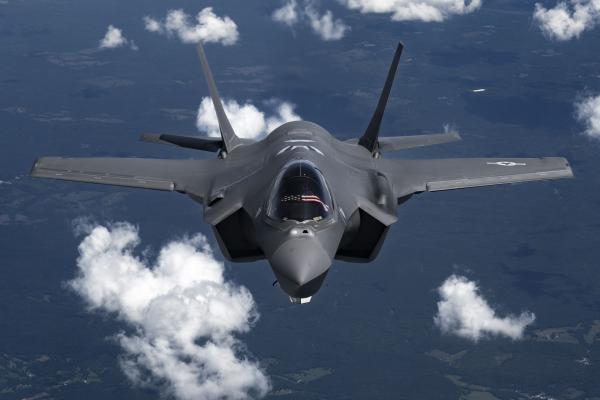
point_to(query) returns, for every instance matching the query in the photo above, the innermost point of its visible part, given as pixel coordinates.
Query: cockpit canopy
(300, 194)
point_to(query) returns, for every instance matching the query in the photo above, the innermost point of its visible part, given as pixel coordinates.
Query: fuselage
(303, 204)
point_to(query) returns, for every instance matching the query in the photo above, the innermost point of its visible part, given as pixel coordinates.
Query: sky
(124, 293)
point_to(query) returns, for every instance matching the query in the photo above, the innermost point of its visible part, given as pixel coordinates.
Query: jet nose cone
(300, 265)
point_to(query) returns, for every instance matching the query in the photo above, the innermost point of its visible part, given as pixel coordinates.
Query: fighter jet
(300, 197)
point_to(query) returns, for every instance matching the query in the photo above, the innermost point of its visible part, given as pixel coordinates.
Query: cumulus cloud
(323, 25)
(415, 10)
(587, 111)
(152, 25)
(462, 311)
(287, 14)
(568, 19)
(246, 119)
(208, 27)
(183, 313)
(114, 38)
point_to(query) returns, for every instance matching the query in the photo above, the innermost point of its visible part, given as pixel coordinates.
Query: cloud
(152, 25)
(415, 10)
(114, 38)
(587, 111)
(183, 312)
(323, 25)
(463, 312)
(568, 19)
(208, 27)
(247, 120)
(287, 14)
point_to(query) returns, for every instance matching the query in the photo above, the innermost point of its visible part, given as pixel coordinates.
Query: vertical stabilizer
(230, 139)
(369, 139)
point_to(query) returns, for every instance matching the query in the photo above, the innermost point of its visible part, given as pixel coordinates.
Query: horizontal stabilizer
(190, 142)
(393, 143)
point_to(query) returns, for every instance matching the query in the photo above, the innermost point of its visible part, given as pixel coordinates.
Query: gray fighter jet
(300, 197)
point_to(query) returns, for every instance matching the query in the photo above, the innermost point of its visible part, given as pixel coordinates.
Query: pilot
(300, 195)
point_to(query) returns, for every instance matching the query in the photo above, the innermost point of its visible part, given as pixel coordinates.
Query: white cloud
(587, 111)
(323, 25)
(114, 38)
(287, 14)
(208, 27)
(568, 19)
(152, 25)
(247, 120)
(183, 312)
(463, 312)
(415, 10)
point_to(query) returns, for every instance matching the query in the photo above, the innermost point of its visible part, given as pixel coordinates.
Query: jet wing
(414, 176)
(180, 175)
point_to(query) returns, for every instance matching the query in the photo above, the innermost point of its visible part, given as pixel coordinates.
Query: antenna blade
(369, 139)
(230, 139)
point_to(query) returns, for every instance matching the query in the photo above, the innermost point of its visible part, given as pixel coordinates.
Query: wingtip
(36, 166)
(452, 135)
(455, 135)
(568, 170)
(33, 167)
